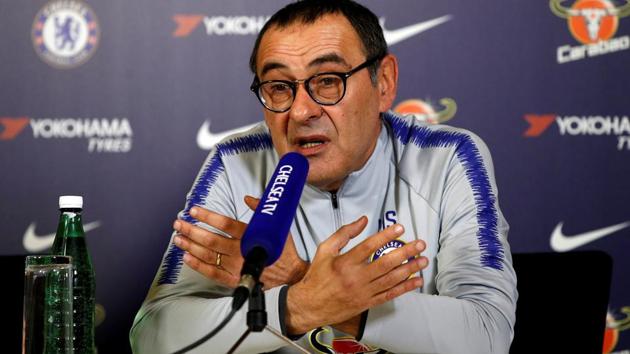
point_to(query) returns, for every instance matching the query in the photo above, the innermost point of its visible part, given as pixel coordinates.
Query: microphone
(266, 234)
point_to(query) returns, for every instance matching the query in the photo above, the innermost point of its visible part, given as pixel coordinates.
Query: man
(381, 190)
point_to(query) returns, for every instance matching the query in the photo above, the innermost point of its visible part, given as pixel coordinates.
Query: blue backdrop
(119, 101)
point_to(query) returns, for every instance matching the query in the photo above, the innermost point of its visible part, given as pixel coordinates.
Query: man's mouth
(311, 144)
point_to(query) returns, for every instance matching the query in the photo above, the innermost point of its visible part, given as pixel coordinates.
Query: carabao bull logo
(591, 21)
(425, 112)
(341, 345)
(615, 322)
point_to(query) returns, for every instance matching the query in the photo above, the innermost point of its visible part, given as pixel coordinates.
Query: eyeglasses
(324, 88)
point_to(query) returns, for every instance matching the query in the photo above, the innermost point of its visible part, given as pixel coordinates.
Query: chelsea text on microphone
(275, 193)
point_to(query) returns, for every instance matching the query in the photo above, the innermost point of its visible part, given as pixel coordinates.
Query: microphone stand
(257, 320)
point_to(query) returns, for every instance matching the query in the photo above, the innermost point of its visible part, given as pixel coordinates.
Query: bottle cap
(71, 201)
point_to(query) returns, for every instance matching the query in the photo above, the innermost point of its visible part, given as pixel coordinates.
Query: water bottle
(70, 241)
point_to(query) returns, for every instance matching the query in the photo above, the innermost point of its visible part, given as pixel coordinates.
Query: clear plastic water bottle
(70, 241)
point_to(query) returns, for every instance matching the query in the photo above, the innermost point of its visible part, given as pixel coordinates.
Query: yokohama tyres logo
(218, 25)
(112, 135)
(572, 125)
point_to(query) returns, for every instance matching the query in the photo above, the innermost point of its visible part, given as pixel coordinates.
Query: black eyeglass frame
(293, 84)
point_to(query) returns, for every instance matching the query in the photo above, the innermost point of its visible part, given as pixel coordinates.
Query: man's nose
(304, 107)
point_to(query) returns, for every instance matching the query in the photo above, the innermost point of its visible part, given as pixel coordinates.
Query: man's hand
(202, 248)
(337, 288)
(289, 268)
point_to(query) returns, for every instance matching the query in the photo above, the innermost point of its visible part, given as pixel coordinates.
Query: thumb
(251, 202)
(340, 239)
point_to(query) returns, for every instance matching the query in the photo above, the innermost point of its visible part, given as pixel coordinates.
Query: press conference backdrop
(120, 101)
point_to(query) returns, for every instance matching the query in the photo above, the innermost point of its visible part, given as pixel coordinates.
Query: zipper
(336, 212)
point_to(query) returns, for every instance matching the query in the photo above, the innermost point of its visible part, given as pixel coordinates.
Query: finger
(215, 273)
(373, 243)
(340, 239)
(251, 202)
(206, 255)
(206, 239)
(232, 261)
(398, 274)
(395, 258)
(400, 289)
(228, 225)
(231, 264)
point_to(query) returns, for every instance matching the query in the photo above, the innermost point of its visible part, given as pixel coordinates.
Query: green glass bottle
(70, 241)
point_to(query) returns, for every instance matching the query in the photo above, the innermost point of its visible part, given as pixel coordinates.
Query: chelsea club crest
(65, 33)
(386, 248)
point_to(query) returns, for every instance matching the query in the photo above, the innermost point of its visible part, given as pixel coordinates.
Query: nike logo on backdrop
(36, 243)
(398, 35)
(562, 243)
(207, 139)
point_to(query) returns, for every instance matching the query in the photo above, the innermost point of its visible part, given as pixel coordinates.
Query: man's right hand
(338, 287)
(202, 246)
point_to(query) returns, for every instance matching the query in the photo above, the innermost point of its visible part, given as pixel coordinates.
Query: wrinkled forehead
(329, 34)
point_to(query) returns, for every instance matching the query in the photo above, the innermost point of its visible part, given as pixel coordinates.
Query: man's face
(336, 140)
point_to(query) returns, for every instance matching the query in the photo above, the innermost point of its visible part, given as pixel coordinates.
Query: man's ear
(387, 82)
